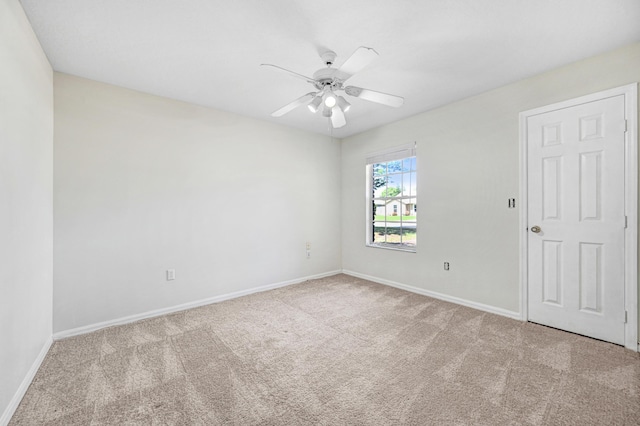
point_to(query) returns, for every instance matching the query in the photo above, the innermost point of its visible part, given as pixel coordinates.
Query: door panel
(591, 277)
(551, 188)
(590, 185)
(551, 267)
(576, 196)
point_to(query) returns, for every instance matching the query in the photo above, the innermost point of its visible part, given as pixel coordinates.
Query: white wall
(144, 183)
(468, 161)
(26, 205)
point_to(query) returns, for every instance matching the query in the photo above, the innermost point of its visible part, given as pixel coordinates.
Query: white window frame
(396, 153)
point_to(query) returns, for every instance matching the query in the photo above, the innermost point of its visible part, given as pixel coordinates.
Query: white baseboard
(22, 389)
(436, 295)
(171, 309)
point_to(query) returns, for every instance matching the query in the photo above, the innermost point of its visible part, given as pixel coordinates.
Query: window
(392, 199)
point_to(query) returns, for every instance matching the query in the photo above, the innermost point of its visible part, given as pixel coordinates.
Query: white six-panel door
(576, 218)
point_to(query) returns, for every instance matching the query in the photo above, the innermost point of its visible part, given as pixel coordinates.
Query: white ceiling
(432, 52)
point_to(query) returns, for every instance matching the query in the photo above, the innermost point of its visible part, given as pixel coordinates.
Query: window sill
(394, 248)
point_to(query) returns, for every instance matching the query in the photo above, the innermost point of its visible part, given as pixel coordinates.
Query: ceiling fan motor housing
(326, 77)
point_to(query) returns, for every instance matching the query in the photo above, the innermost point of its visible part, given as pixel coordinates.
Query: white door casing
(579, 184)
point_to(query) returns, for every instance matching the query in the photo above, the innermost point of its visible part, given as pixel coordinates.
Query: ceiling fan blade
(337, 117)
(302, 100)
(373, 96)
(293, 73)
(362, 57)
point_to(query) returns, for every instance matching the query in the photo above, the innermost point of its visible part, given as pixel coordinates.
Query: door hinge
(626, 221)
(625, 317)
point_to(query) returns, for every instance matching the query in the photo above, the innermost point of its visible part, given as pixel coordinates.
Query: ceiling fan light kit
(343, 104)
(330, 80)
(315, 103)
(330, 100)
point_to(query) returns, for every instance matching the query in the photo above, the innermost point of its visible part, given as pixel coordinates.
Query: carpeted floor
(333, 351)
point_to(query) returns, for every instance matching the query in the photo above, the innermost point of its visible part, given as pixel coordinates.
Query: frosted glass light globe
(330, 100)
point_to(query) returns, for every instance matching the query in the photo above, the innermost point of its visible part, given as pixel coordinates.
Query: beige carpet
(333, 351)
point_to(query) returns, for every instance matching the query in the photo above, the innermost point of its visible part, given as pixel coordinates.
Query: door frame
(630, 93)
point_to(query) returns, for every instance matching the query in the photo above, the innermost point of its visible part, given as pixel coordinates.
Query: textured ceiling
(209, 52)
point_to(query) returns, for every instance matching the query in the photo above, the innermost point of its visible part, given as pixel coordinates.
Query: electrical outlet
(446, 266)
(308, 254)
(171, 274)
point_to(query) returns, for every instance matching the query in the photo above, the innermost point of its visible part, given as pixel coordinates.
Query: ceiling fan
(330, 81)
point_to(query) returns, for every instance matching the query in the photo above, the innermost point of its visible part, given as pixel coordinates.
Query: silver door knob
(535, 229)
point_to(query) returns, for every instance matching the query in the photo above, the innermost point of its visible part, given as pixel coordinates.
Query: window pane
(407, 209)
(379, 232)
(394, 234)
(409, 236)
(379, 183)
(379, 169)
(406, 185)
(394, 166)
(409, 184)
(394, 186)
(406, 165)
(379, 210)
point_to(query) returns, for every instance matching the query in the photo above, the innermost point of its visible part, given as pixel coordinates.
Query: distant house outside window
(392, 199)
